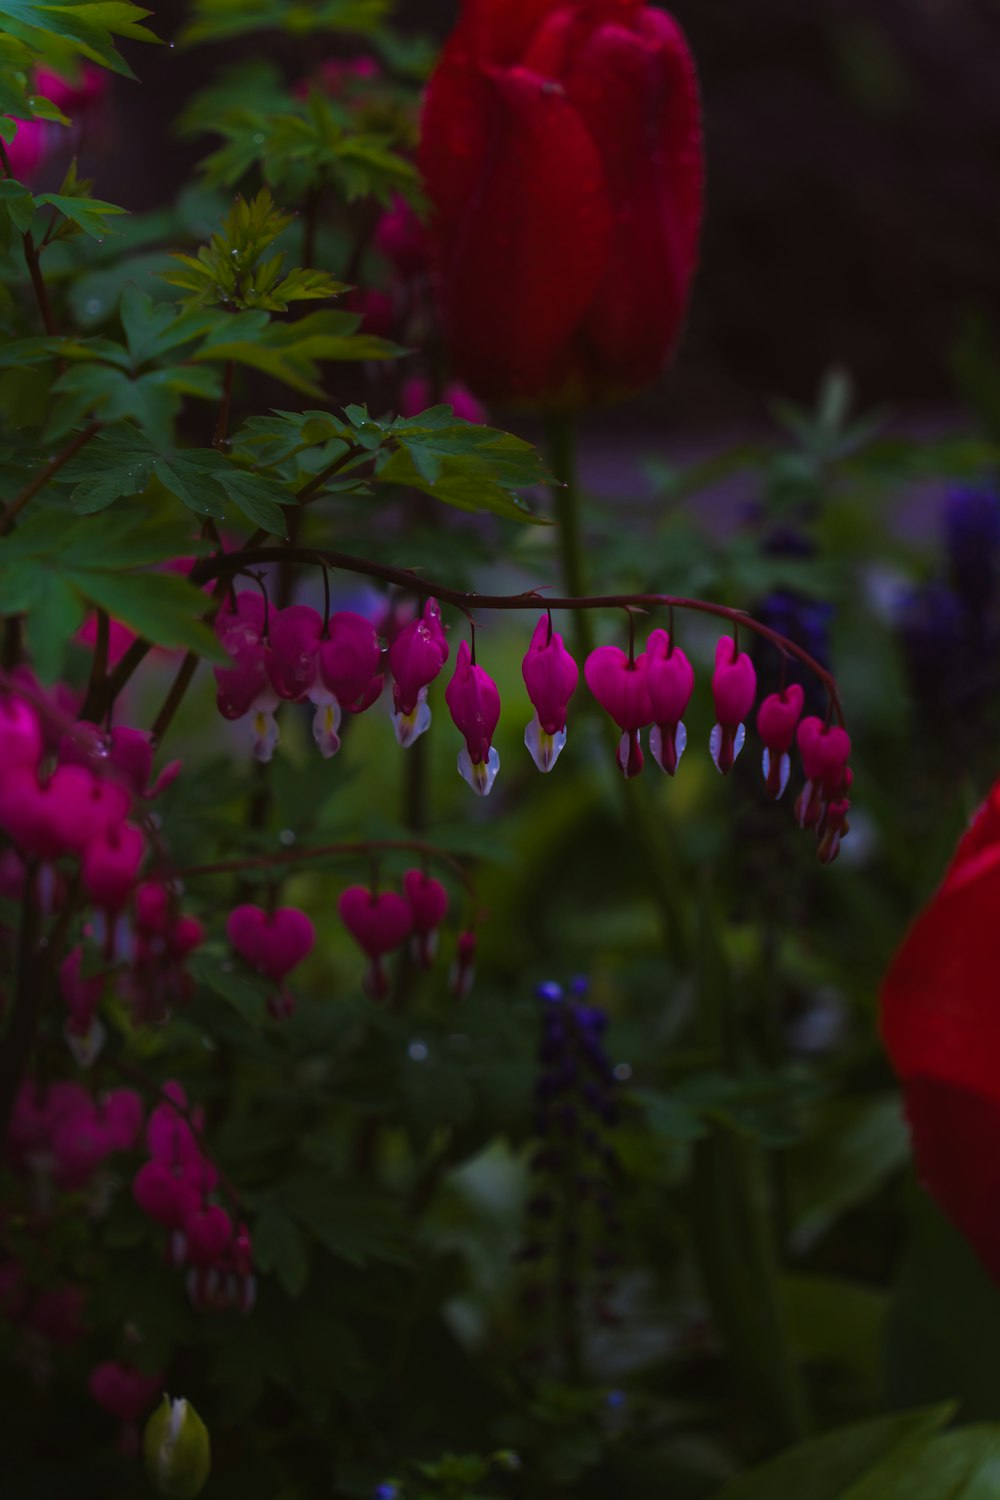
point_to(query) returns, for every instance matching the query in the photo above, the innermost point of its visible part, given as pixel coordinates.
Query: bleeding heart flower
(378, 924)
(620, 687)
(474, 704)
(273, 943)
(428, 903)
(208, 1232)
(734, 685)
(21, 740)
(123, 1391)
(670, 683)
(416, 656)
(551, 676)
(776, 720)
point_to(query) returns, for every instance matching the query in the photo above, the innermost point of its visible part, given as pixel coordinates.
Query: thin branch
(326, 851)
(41, 479)
(317, 482)
(405, 578)
(220, 438)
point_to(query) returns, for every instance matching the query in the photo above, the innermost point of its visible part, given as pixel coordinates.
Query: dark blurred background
(853, 207)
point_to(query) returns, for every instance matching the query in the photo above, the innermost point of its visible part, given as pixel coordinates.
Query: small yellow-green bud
(177, 1450)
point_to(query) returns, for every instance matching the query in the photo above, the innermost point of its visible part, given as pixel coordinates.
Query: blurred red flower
(941, 1025)
(561, 152)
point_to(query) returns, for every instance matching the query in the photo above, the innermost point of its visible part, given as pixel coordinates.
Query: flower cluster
(177, 1188)
(59, 1151)
(61, 1136)
(575, 1167)
(339, 666)
(381, 923)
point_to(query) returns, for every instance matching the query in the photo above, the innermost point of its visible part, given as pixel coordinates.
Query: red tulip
(561, 150)
(941, 1025)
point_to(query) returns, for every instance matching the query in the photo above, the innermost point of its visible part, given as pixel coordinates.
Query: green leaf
(246, 992)
(161, 607)
(258, 498)
(219, 20)
(54, 615)
(87, 29)
(825, 1468)
(355, 1224)
(278, 1246)
(89, 214)
(963, 1465)
(17, 202)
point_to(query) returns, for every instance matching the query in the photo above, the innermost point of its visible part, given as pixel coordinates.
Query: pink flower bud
(401, 238)
(110, 865)
(80, 1143)
(825, 750)
(463, 970)
(670, 683)
(776, 720)
(21, 740)
(165, 1195)
(122, 1113)
(428, 902)
(415, 396)
(208, 1231)
(75, 97)
(474, 704)
(273, 943)
(620, 688)
(416, 656)
(734, 684)
(58, 816)
(246, 687)
(550, 676)
(123, 1391)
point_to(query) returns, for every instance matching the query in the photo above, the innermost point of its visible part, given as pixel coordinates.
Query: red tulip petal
(531, 247)
(637, 94)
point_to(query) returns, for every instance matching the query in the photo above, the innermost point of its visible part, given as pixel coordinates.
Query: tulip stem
(561, 435)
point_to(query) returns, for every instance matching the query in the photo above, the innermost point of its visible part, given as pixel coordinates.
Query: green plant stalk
(737, 1265)
(640, 816)
(732, 1223)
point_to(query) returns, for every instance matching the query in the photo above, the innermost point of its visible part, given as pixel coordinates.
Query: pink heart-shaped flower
(376, 923)
(273, 943)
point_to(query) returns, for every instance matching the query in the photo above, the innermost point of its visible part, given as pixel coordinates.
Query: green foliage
(220, 20)
(231, 268)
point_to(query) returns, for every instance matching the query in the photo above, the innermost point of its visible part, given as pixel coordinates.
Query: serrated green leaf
(259, 499)
(161, 607)
(16, 200)
(468, 484)
(89, 214)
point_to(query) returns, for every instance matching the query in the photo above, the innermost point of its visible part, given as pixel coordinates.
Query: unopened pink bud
(123, 1391)
(208, 1231)
(21, 740)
